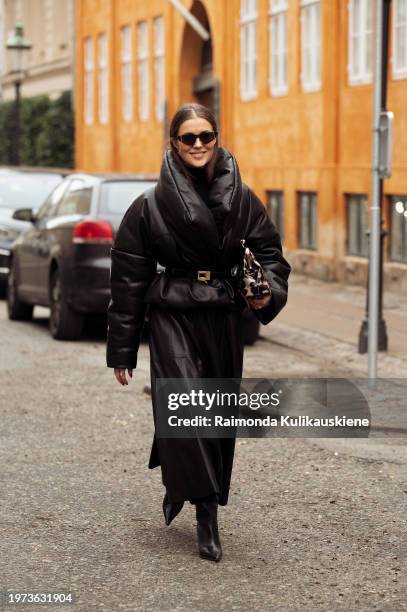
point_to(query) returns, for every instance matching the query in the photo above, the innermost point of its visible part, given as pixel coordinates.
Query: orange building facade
(290, 82)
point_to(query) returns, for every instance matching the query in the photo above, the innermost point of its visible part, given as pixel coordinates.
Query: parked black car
(63, 260)
(20, 187)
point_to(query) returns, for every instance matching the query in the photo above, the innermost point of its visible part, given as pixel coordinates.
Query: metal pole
(383, 340)
(374, 246)
(17, 125)
(363, 333)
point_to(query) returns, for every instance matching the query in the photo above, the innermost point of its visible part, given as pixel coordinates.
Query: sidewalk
(326, 317)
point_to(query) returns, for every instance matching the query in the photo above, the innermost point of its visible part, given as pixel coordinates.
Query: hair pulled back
(192, 110)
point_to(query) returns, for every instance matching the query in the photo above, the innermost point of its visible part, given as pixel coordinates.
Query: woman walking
(191, 223)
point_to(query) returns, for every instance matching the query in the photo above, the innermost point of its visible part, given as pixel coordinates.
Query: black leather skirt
(195, 343)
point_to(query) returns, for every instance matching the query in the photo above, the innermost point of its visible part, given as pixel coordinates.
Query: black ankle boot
(171, 510)
(207, 528)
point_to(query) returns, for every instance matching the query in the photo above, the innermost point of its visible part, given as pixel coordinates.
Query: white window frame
(126, 59)
(398, 229)
(311, 44)
(88, 86)
(278, 52)
(308, 220)
(159, 66)
(143, 71)
(357, 220)
(248, 50)
(359, 72)
(275, 210)
(103, 78)
(399, 32)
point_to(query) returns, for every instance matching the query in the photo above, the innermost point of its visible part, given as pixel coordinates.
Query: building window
(310, 45)
(142, 65)
(360, 41)
(248, 49)
(103, 97)
(278, 47)
(399, 58)
(88, 85)
(398, 228)
(307, 235)
(275, 210)
(159, 67)
(357, 222)
(126, 74)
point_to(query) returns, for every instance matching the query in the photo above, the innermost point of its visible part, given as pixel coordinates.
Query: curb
(335, 351)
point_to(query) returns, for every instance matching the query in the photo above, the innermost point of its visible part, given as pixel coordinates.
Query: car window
(116, 196)
(76, 201)
(50, 204)
(26, 189)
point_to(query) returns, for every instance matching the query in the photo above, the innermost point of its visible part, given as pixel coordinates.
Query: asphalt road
(312, 524)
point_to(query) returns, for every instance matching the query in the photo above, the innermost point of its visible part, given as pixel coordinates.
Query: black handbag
(252, 281)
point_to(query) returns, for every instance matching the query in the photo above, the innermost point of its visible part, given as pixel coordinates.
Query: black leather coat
(177, 229)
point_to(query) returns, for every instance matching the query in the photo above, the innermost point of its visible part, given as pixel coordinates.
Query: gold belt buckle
(204, 275)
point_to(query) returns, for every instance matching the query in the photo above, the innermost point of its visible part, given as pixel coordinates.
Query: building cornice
(39, 70)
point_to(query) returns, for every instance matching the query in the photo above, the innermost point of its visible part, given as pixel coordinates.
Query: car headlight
(8, 235)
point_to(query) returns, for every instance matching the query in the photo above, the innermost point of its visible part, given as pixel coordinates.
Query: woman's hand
(257, 303)
(120, 374)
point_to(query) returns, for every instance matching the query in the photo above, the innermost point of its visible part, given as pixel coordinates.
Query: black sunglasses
(189, 138)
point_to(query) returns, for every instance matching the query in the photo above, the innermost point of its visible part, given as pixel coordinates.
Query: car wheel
(65, 323)
(17, 310)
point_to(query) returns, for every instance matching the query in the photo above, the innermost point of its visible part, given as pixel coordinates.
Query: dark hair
(191, 110)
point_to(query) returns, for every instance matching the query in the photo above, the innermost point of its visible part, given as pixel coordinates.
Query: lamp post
(380, 339)
(17, 43)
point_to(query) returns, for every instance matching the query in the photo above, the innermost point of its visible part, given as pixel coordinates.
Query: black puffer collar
(188, 217)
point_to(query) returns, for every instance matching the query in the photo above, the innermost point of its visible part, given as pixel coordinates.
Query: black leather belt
(200, 275)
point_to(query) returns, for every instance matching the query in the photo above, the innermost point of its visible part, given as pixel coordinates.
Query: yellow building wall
(318, 141)
(95, 148)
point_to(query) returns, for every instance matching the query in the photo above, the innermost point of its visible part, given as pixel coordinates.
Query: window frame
(143, 66)
(392, 199)
(102, 199)
(278, 16)
(312, 81)
(248, 50)
(398, 71)
(68, 191)
(312, 220)
(365, 75)
(103, 78)
(159, 66)
(126, 71)
(362, 248)
(276, 213)
(48, 205)
(88, 85)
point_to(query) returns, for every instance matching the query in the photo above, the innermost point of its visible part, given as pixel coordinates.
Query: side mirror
(24, 214)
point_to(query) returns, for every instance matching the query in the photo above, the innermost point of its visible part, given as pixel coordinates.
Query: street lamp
(384, 131)
(17, 43)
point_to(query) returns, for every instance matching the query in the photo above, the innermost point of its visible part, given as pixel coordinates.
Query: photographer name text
(267, 421)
